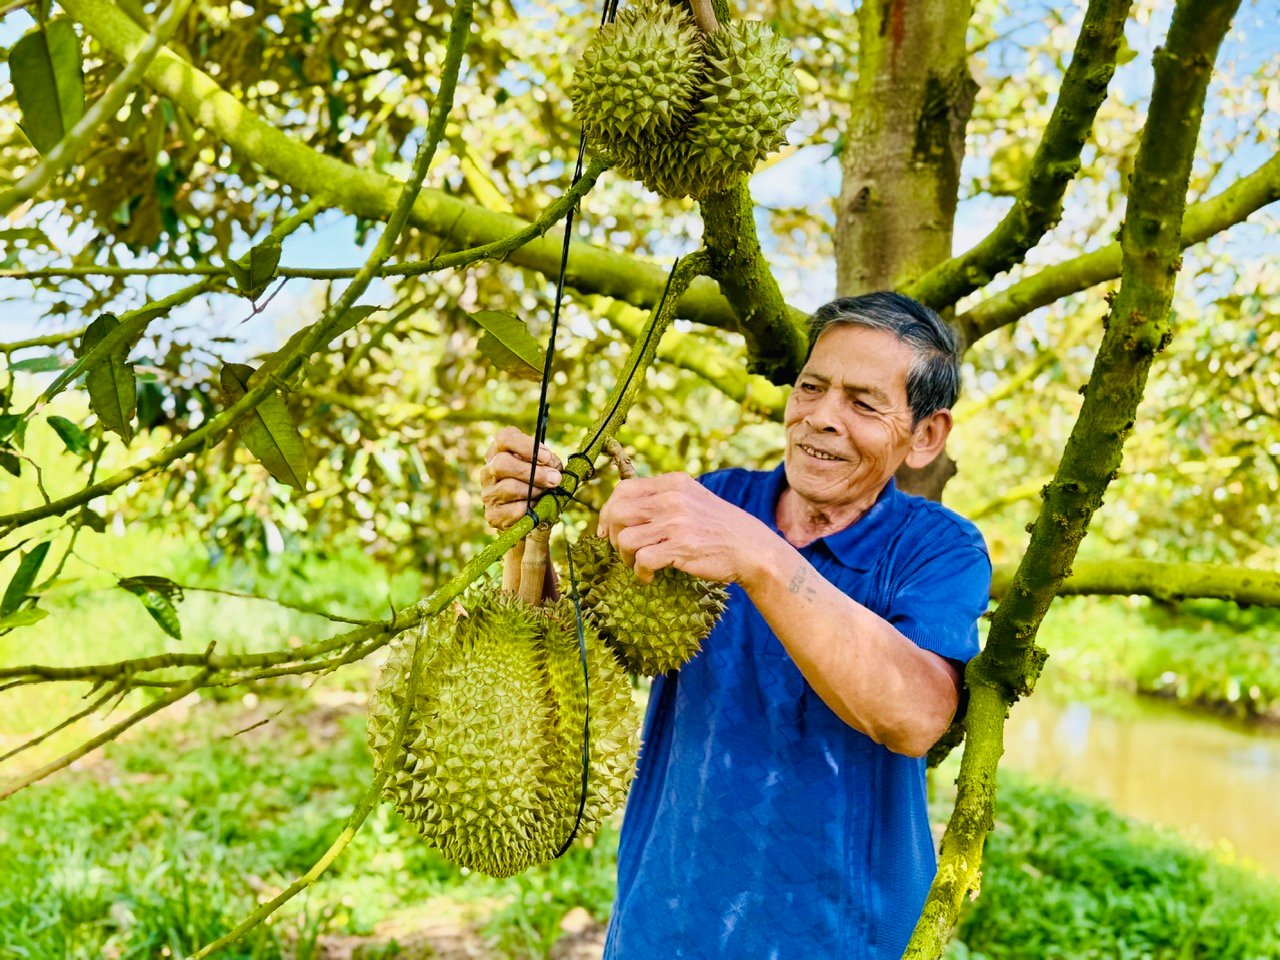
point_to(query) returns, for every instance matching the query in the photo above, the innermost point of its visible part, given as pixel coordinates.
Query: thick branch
(370, 195)
(1202, 220)
(1162, 581)
(1038, 206)
(1138, 329)
(499, 249)
(112, 99)
(775, 334)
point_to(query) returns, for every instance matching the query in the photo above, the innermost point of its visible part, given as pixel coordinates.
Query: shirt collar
(857, 545)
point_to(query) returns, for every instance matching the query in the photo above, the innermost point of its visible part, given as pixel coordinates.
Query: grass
(172, 835)
(1066, 878)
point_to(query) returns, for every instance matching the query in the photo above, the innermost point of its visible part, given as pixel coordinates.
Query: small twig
(88, 746)
(117, 687)
(705, 16)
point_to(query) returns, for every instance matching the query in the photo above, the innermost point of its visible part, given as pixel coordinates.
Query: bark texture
(906, 139)
(1137, 329)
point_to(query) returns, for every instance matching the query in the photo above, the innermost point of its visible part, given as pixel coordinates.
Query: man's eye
(863, 405)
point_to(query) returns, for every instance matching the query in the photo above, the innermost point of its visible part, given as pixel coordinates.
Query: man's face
(848, 421)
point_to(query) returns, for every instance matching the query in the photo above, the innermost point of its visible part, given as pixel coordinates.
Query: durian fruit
(630, 95)
(651, 627)
(491, 775)
(614, 736)
(638, 76)
(747, 99)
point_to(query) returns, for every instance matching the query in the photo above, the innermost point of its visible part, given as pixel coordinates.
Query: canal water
(1209, 779)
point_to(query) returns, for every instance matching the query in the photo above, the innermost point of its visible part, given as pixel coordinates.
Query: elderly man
(778, 809)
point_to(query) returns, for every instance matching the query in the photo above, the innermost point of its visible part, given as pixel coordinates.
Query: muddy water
(1211, 780)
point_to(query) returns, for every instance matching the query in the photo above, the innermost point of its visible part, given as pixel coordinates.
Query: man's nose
(823, 416)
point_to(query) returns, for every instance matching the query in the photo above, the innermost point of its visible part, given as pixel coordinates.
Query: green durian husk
(650, 627)
(746, 98)
(491, 775)
(639, 75)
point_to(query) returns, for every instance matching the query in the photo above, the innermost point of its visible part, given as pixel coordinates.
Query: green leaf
(23, 618)
(45, 71)
(159, 598)
(73, 438)
(23, 578)
(270, 435)
(37, 364)
(508, 344)
(9, 424)
(10, 462)
(257, 268)
(94, 521)
(113, 390)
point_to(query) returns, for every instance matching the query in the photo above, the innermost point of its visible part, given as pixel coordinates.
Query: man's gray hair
(933, 382)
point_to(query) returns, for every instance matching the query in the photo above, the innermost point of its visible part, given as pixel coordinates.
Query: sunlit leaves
(45, 69)
(73, 438)
(23, 579)
(508, 345)
(109, 380)
(160, 597)
(270, 434)
(257, 268)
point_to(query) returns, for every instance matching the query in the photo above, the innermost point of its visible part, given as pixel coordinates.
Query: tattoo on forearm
(799, 583)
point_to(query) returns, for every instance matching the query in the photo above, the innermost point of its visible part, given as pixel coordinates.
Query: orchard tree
(163, 161)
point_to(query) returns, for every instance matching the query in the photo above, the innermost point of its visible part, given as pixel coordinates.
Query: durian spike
(533, 566)
(705, 16)
(626, 469)
(511, 568)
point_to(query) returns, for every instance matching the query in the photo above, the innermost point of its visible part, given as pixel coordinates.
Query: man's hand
(504, 479)
(673, 521)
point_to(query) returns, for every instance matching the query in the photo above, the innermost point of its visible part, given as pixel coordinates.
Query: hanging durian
(491, 774)
(638, 76)
(651, 627)
(686, 108)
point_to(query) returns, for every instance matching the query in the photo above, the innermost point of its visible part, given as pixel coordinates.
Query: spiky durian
(614, 737)
(638, 76)
(651, 627)
(491, 772)
(748, 97)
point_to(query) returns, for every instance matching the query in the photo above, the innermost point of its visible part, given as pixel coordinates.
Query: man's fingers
(520, 444)
(506, 465)
(511, 490)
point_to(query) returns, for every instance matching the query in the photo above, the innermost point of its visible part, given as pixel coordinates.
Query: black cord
(586, 710)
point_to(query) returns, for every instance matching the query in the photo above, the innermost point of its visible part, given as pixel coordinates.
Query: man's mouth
(818, 454)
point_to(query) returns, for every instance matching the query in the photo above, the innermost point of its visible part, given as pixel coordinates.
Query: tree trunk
(901, 166)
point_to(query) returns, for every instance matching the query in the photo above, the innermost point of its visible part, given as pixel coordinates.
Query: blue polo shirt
(760, 826)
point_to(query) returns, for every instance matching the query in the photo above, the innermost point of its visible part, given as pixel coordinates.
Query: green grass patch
(1064, 877)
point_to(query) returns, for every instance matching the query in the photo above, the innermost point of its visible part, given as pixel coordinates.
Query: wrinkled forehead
(851, 356)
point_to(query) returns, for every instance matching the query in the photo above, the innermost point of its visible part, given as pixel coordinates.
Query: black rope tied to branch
(539, 437)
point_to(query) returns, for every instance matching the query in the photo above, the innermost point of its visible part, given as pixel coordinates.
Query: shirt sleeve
(938, 603)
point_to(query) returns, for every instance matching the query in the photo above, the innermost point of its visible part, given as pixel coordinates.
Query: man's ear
(928, 437)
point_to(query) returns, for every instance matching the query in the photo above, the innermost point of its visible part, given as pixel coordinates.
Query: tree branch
(1038, 206)
(64, 152)
(290, 359)
(776, 338)
(1202, 220)
(371, 195)
(1138, 328)
(1162, 581)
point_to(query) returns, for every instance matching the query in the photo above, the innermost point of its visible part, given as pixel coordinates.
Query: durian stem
(533, 566)
(618, 454)
(705, 16)
(511, 568)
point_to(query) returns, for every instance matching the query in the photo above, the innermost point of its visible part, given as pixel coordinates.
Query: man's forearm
(868, 673)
